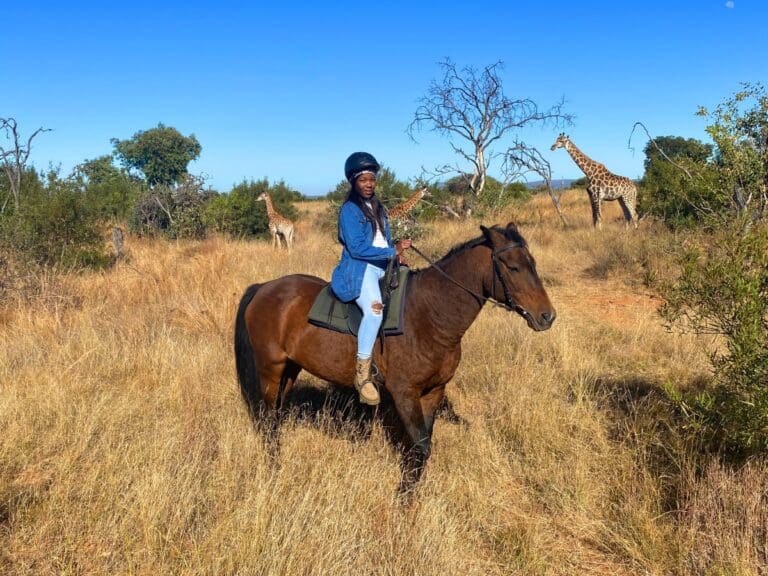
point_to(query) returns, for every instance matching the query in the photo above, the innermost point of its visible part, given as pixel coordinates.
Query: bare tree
(470, 108)
(14, 158)
(520, 160)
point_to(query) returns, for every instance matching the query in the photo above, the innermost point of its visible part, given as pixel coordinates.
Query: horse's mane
(511, 233)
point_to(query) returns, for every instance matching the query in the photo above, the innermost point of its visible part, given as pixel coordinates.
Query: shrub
(723, 290)
(54, 225)
(173, 211)
(723, 287)
(240, 214)
(110, 190)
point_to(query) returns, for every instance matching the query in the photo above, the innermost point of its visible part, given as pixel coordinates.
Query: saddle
(330, 312)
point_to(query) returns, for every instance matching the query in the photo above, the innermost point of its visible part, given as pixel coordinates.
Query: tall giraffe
(278, 225)
(602, 184)
(400, 211)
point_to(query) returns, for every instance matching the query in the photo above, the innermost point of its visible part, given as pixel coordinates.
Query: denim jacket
(356, 237)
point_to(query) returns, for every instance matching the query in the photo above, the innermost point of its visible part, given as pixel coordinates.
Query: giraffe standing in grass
(279, 225)
(602, 184)
(400, 211)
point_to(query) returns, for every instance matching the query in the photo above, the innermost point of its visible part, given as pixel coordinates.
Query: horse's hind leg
(277, 381)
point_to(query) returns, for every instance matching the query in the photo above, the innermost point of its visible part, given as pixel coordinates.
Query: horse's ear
(494, 237)
(512, 228)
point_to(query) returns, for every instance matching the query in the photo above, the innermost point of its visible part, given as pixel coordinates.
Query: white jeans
(371, 322)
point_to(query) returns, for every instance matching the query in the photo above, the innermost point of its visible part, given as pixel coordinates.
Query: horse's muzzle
(540, 322)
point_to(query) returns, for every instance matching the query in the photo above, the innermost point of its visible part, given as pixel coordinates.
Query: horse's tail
(247, 374)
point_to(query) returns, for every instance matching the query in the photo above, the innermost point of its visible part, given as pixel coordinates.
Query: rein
(508, 305)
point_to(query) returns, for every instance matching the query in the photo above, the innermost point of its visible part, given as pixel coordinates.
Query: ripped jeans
(371, 322)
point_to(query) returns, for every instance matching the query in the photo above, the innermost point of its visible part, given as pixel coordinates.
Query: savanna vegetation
(628, 439)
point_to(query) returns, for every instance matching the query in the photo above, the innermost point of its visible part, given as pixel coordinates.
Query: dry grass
(125, 447)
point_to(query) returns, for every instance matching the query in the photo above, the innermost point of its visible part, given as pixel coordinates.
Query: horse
(274, 341)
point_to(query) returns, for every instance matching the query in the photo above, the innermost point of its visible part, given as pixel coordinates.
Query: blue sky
(287, 90)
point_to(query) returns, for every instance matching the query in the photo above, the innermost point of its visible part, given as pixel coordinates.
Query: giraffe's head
(262, 197)
(424, 192)
(561, 141)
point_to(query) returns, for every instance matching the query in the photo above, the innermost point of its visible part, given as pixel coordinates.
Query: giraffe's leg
(631, 200)
(629, 212)
(597, 219)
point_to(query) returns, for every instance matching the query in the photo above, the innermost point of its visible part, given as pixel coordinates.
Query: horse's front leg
(417, 414)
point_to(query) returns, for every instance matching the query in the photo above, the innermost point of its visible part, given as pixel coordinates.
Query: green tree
(110, 190)
(668, 190)
(162, 154)
(739, 128)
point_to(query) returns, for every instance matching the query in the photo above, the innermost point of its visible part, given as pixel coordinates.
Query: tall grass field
(126, 448)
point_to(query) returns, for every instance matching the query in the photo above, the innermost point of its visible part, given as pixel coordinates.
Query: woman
(367, 248)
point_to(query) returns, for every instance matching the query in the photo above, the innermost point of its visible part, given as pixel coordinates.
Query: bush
(723, 290)
(111, 191)
(54, 225)
(723, 287)
(241, 215)
(495, 196)
(173, 211)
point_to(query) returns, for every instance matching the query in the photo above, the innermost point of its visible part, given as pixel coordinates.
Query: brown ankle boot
(366, 389)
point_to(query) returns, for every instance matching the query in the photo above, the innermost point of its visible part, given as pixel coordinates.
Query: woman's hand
(401, 247)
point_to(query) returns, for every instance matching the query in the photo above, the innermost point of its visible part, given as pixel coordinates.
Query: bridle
(509, 303)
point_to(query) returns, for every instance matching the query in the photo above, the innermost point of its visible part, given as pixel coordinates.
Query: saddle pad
(330, 312)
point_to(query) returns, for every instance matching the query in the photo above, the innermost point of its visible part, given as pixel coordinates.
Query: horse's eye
(513, 268)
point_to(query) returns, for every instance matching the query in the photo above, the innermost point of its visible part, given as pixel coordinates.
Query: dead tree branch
(522, 160)
(470, 106)
(664, 154)
(15, 157)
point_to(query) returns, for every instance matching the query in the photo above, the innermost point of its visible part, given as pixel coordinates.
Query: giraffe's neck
(271, 212)
(410, 202)
(587, 165)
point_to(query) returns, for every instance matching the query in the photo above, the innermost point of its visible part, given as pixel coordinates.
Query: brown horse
(274, 341)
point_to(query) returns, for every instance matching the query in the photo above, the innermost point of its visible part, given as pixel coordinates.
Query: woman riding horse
(274, 341)
(367, 247)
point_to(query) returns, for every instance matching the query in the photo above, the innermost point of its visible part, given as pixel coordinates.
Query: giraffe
(400, 211)
(278, 225)
(602, 184)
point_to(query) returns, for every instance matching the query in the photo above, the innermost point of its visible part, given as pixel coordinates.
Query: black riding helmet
(359, 161)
